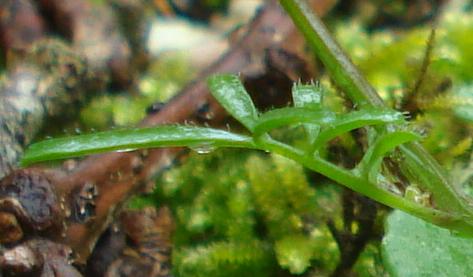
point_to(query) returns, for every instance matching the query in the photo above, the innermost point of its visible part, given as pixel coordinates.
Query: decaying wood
(138, 243)
(93, 32)
(89, 193)
(47, 77)
(148, 252)
(51, 78)
(38, 257)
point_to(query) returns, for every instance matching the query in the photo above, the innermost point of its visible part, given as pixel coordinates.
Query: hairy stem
(363, 186)
(418, 164)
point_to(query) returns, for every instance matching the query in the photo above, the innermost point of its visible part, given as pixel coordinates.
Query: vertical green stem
(418, 163)
(326, 48)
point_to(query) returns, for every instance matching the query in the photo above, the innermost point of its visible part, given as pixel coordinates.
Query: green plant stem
(419, 165)
(361, 185)
(203, 140)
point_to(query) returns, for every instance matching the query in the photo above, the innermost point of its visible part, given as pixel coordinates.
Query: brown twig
(357, 210)
(119, 175)
(90, 192)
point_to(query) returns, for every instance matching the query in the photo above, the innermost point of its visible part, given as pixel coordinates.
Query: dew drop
(116, 176)
(69, 165)
(125, 150)
(413, 193)
(203, 148)
(144, 153)
(204, 112)
(155, 108)
(136, 165)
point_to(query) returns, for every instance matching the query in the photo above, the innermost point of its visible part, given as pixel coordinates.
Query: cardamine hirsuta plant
(430, 194)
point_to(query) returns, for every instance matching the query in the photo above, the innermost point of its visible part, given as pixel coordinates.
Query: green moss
(369, 263)
(225, 259)
(391, 60)
(242, 214)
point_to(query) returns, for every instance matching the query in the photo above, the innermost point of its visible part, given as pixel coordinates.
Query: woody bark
(50, 78)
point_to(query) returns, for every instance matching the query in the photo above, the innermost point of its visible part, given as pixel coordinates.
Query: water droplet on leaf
(116, 176)
(413, 193)
(203, 148)
(125, 150)
(155, 108)
(204, 112)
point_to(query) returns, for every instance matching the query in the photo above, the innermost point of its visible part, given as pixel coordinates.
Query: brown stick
(119, 175)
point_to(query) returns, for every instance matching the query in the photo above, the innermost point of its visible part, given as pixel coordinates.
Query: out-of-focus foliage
(253, 214)
(216, 4)
(413, 247)
(369, 263)
(392, 61)
(248, 214)
(163, 80)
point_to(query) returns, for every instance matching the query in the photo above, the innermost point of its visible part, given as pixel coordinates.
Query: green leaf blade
(308, 96)
(124, 140)
(230, 93)
(413, 247)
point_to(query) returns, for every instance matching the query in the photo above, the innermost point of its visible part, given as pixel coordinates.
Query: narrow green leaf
(127, 140)
(230, 93)
(413, 247)
(354, 120)
(371, 162)
(287, 116)
(308, 96)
